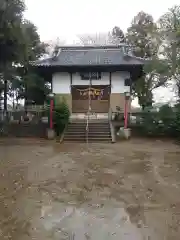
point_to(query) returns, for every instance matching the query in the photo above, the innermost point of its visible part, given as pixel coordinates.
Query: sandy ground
(128, 190)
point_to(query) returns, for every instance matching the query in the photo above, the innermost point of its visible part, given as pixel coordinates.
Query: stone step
(90, 122)
(89, 136)
(90, 132)
(98, 131)
(89, 129)
(90, 119)
(89, 140)
(90, 126)
(93, 135)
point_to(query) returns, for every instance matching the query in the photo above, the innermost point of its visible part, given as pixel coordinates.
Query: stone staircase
(99, 131)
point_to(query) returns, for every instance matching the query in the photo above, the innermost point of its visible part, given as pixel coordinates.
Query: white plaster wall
(61, 83)
(117, 82)
(76, 79)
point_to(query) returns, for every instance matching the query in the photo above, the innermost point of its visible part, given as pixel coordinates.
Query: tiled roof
(85, 56)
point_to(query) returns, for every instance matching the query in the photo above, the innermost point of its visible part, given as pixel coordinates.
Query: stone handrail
(112, 130)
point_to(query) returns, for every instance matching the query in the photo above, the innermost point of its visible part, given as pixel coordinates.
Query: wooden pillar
(126, 102)
(110, 83)
(51, 113)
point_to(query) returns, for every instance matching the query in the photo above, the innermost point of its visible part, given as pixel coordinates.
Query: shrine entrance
(94, 97)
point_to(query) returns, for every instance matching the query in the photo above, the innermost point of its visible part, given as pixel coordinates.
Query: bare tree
(114, 37)
(54, 45)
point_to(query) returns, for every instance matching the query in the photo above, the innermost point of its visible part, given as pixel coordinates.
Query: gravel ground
(128, 190)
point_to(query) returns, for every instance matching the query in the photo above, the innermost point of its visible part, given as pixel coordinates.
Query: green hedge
(164, 123)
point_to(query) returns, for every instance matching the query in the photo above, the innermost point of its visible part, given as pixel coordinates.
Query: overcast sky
(68, 18)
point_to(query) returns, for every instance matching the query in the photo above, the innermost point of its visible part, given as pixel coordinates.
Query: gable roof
(90, 56)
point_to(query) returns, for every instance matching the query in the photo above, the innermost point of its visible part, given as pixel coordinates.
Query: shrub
(149, 123)
(176, 122)
(61, 116)
(165, 123)
(166, 117)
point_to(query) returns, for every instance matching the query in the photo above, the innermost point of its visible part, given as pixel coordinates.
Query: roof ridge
(89, 49)
(110, 46)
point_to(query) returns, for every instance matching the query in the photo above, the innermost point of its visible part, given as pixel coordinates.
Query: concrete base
(50, 134)
(124, 133)
(127, 133)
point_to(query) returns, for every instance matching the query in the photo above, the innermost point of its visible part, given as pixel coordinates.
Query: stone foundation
(50, 134)
(118, 99)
